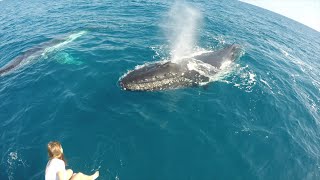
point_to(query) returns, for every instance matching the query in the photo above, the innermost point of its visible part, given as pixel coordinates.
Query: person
(56, 166)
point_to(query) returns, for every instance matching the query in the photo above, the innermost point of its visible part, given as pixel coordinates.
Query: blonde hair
(55, 150)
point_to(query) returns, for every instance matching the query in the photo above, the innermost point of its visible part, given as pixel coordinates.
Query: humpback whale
(173, 75)
(42, 50)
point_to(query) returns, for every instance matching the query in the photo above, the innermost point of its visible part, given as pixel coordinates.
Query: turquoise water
(260, 121)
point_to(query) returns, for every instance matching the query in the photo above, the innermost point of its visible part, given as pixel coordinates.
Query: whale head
(155, 76)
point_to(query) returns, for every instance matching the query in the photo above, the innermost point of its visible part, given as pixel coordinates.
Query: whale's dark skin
(170, 75)
(33, 52)
(38, 51)
(18, 60)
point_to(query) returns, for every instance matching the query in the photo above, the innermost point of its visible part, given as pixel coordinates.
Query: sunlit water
(260, 120)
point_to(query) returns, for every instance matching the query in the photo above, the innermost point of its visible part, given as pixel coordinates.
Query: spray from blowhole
(181, 30)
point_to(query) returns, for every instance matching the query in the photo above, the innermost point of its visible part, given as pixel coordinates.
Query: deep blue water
(261, 121)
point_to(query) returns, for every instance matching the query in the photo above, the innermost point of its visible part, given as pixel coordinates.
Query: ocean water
(261, 120)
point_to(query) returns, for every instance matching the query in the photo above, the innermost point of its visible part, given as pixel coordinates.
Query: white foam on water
(225, 64)
(202, 68)
(284, 52)
(14, 160)
(244, 78)
(225, 71)
(251, 78)
(220, 39)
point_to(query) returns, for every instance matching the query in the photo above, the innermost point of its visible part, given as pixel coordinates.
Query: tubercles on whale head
(149, 77)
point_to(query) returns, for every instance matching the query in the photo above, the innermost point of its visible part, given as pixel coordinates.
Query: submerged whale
(171, 75)
(42, 50)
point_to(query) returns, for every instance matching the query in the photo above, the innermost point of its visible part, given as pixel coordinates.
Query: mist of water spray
(181, 29)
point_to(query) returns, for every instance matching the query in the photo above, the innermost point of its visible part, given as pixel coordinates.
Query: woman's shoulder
(56, 161)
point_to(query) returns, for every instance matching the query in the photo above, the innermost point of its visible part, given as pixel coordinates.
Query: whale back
(217, 58)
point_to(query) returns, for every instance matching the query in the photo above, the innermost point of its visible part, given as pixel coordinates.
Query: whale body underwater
(42, 50)
(172, 75)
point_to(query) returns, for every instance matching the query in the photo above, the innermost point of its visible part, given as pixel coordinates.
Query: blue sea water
(261, 121)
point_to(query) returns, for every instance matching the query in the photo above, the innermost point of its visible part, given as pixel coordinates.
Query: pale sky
(306, 12)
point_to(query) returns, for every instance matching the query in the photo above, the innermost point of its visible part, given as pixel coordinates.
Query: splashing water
(13, 162)
(181, 29)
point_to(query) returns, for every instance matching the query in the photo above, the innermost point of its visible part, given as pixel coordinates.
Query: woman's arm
(65, 175)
